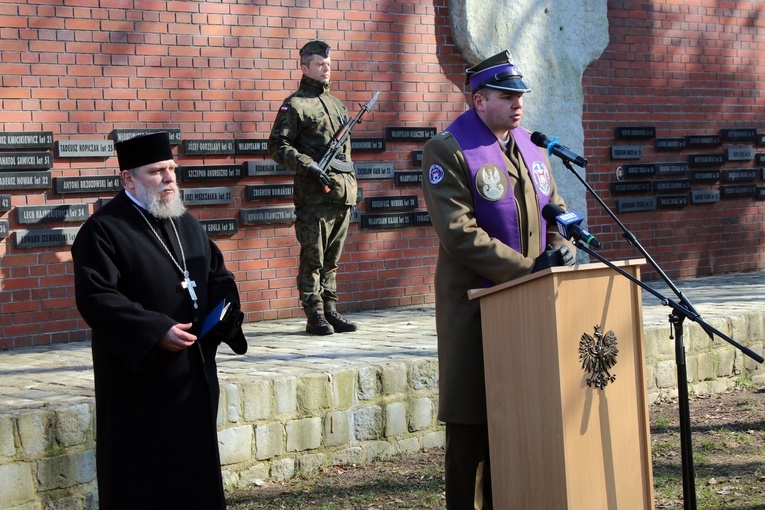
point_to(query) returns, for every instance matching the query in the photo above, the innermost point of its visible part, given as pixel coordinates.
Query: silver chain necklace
(187, 282)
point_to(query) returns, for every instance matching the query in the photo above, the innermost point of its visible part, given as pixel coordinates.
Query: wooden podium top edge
(478, 293)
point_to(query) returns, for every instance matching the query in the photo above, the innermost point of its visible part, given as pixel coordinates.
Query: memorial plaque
(49, 213)
(26, 140)
(93, 184)
(258, 147)
(639, 170)
(197, 196)
(405, 178)
(630, 187)
(706, 159)
(5, 228)
(759, 159)
(268, 215)
(417, 158)
(636, 205)
(359, 194)
(671, 144)
(760, 193)
(703, 141)
(227, 226)
(705, 176)
(5, 203)
(672, 185)
(422, 218)
(211, 172)
(367, 145)
(635, 133)
(219, 147)
(395, 203)
(26, 160)
(46, 237)
(387, 220)
(739, 135)
(738, 190)
(672, 201)
(626, 152)
(120, 135)
(759, 139)
(25, 180)
(265, 167)
(268, 191)
(368, 170)
(671, 168)
(355, 215)
(739, 175)
(84, 148)
(705, 196)
(740, 154)
(409, 134)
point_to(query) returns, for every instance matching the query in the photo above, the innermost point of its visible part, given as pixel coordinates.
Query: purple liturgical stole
(495, 208)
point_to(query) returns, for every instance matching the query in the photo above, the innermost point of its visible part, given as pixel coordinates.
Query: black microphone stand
(680, 312)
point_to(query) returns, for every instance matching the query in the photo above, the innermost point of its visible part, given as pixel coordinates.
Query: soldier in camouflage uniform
(304, 126)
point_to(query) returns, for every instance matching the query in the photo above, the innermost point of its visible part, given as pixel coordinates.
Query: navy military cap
(315, 48)
(496, 72)
(144, 150)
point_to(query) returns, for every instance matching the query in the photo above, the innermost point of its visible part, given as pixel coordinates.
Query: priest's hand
(177, 338)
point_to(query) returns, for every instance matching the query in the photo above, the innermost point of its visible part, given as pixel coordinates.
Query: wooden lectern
(555, 442)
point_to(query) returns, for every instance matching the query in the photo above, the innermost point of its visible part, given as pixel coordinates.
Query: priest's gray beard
(159, 209)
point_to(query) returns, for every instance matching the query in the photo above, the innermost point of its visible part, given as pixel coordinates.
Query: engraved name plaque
(740, 154)
(639, 170)
(211, 172)
(739, 175)
(409, 134)
(636, 205)
(699, 141)
(706, 159)
(5, 203)
(671, 144)
(120, 135)
(738, 135)
(626, 152)
(227, 226)
(671, 168)
(84, 148)
(672, 201)
(630, 187)
(402, 203)
(26, 140)
(26, 160)
(422, 218)
(738, 190)
(672, 185)
(417, 158)
(391, 220)
(705, 196)
(251, 146)
(5, 228)
(25, 180)
(50, 213)
(46, 237)
(635, 132)
(269, 191)
(208, 147)
(94, 184)
(265, 167)
(367, 145)
(405, 178)
(197, 196)
(705, 176)
(267, 215)
(374, 170)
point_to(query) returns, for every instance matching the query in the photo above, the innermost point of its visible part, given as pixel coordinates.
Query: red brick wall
(220, 69)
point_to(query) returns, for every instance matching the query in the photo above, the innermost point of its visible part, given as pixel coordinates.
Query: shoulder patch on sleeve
(435, 174)
(284, 108)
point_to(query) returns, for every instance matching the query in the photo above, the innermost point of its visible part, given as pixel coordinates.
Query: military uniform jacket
(466, 255)
(304, 126)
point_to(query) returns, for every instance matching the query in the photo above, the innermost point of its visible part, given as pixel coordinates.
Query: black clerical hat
(315, 48)
(496, 72)
(144, 150)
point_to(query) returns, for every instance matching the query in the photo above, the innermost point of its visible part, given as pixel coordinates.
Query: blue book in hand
(214, 317)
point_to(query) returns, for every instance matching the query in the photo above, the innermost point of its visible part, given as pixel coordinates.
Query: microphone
(568, 224)
(553, 147)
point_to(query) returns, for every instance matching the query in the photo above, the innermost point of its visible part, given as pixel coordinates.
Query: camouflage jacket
(304, 126)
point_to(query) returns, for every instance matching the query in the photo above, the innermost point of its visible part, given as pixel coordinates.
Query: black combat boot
(317, 324)
(340, 323)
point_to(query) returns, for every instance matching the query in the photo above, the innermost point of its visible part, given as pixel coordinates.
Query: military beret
(315, 48)
(144, 150)
(496, 72)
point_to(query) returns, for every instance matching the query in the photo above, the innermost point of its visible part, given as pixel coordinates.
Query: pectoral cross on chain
(189, 285)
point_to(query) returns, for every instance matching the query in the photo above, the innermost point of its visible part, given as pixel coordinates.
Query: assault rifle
(341, 136)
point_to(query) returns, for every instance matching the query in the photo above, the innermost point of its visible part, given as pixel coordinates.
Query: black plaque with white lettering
(698, 141)
(759, 139)
(227, 226)
(221, 147)
(417, 158)
(265, 167)
(636, 204)
(672, 185)
(409, 134)
(740, 154)
(739, 175)
(635, 133)
(705, 176)
(672, 201)
(355, 215)
(251, 146)
(630, 187)
(705, 196)
(38, 160)
(760, 193)
(211, 172)
(759, 159)
(84, 148)
(391, 220)
(406, 178)
(738, 135)
(93, 184)
(5, 203)
(26, 140)
(367, 145)
(207, 196)
(269, 191)
(395, 203)
(120, 135)
(706, 159)
(368, 170)
(50, 213)
(267, 215)
(25, 180)
(626, 152)
(738, 190)
(422, 218)
(671, 144)
(5, 228)
(46, 237)
(671, 168)
(639, 170)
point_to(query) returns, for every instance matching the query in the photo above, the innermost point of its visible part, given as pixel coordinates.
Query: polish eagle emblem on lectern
(598, 356)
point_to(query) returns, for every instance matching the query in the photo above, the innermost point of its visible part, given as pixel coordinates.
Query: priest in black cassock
(146, 275)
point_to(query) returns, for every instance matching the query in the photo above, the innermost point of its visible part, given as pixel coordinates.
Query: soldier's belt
(345, 167)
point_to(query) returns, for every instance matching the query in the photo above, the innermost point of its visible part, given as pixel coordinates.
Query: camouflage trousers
(321, 230)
